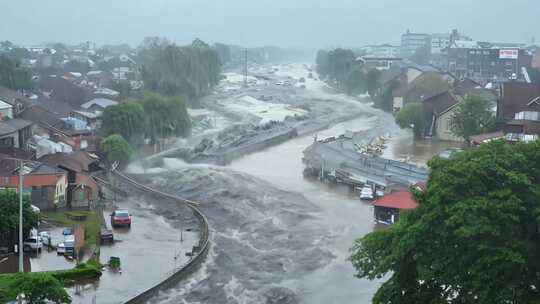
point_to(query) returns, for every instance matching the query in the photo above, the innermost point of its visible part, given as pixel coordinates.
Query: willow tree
(126, 119)
(190, 71)
(165, 116)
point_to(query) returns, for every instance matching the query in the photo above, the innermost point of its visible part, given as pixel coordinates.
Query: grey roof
(13, 125)
(40, 115)
(102, 102)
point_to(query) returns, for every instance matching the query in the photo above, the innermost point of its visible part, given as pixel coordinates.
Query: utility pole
(245, 66)
(21, 264)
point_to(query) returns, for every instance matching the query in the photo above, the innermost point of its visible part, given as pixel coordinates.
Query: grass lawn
(91, 222)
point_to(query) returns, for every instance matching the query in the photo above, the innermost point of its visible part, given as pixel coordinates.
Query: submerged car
(120, 218)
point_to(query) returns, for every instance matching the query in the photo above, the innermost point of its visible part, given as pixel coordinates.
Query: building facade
(410, 42)
(485, 62)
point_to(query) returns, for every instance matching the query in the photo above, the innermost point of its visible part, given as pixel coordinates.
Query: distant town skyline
(301, 23)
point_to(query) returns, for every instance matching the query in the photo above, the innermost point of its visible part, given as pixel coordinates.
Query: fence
(200, 251)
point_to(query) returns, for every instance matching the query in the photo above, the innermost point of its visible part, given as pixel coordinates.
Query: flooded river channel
(278, 237)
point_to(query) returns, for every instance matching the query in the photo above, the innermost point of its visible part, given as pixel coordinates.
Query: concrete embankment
(198, 254)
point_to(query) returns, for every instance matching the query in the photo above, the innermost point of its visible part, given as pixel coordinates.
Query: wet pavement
(149, 251)
(49, 260)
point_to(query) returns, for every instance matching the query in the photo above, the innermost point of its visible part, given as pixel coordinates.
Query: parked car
(68, 231)
(67, 246)
(366, 193)
(45, 238)
(106, 235)
(32, 243)
(120, 218)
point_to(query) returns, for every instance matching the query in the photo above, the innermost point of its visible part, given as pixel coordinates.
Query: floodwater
(277, 237)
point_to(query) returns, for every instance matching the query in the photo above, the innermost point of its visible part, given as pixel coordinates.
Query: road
(148, 251)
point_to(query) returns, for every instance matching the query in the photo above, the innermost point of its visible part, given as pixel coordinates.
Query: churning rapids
(276, 237)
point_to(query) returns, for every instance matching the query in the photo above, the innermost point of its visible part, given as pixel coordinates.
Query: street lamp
(21, 265)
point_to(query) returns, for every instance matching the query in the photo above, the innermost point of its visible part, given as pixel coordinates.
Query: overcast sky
(297, 23)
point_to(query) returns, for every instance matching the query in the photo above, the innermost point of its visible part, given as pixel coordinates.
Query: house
(46, 121)
(15, 133)
(6, 110)
(62, 90)
(519, 111)
(417, 85)
(388, 208)
(16, 100)
(486, 137)
(47, 185)
(98, 104)
(82, 188)
(440, 109)
(91, 111)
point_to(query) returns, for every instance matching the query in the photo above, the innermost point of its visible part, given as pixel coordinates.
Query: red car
(120, 218)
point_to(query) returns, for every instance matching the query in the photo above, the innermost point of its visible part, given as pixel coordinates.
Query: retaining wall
(198, 256)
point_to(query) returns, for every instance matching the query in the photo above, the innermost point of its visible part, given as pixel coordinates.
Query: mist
(300, 23)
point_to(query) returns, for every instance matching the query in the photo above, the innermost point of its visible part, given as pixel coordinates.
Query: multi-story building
(486, 62)
(381, 51)
(441, 42)
(410, 42)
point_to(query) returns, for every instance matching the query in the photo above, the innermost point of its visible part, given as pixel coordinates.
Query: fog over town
(273, 152)
(300, 23)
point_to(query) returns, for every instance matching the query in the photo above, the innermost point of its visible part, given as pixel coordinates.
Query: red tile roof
(397, 200)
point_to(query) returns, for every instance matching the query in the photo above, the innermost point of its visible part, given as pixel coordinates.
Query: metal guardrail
(197, 259)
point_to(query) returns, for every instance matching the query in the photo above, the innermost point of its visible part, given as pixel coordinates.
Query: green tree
(190, 71)
(126, 119)
(474, 237)
(13, 75)
(356, 82)
(9, 215)
(372, 81)
(472, 116)
(18, 54)
(117, 149)
(224, 52)
(412, 116)
(323, 65)
(40, 287)
(430, 84)
(165, 116)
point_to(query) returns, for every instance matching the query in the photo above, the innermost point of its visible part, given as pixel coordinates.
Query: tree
(322, 62)
(13, 75)
(190, 71)
(224, 52)
(165, 116)
(356, 83)
(126, 119)
(472, 116)
(474, 237)
(372, 81)
(9, 215)
(430, 84)
(40, 287)
(412, 116)
(117, 149)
